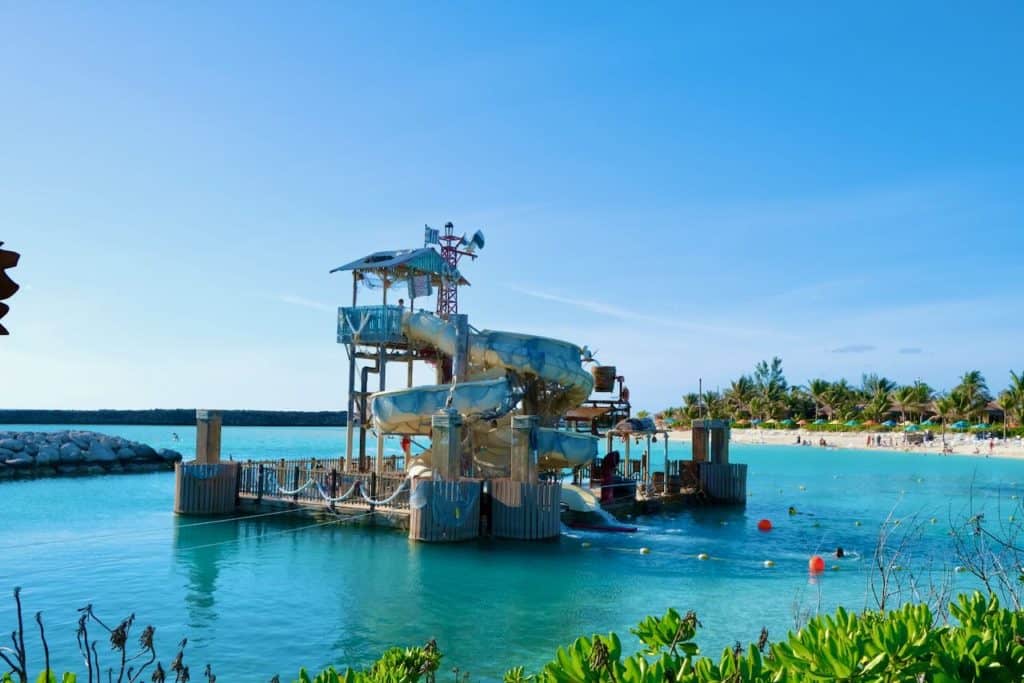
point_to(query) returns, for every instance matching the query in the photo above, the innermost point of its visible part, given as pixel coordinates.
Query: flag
(431, 236)
(419, 285)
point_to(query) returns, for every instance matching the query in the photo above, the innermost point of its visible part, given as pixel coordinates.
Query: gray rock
(81, 439)
(126, 453)
(20, 462)
(68, 470)
(48, 455)
(16, 445)
(31, 447)
(70, 453)
(144, 451)
(167, 455)
(5, 454)
(100, 452)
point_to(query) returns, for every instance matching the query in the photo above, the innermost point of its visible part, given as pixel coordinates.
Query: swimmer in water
(175, 437)
(792, 510)
(840, 552)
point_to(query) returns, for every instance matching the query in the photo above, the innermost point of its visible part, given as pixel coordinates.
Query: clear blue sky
(686, 188)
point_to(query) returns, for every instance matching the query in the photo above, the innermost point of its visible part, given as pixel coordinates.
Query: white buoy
(585, 544)
(702, 556)
(645, 551)
(768, 564)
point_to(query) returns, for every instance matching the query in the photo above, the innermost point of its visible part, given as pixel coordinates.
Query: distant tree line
(765, 394)
(175, 416)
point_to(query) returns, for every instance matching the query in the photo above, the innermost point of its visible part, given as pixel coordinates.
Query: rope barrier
(387, 500)
(344, 496)
(309, 482)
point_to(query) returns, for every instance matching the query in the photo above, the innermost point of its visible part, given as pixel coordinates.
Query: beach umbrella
(788, 422)
(801, 422)
(927, 423)
(981, 425)
(756, 421)
(820, 421)
(912, 428)
(852, 423)
(889, 423)
(960, 424)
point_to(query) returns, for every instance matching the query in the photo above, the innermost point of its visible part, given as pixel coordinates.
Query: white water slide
(489, 394)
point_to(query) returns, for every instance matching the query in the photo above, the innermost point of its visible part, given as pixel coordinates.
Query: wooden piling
(525, 511)
(201, 489)
(443, 511)
(724, 483)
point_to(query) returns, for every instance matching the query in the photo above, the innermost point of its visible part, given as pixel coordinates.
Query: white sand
(892, 441)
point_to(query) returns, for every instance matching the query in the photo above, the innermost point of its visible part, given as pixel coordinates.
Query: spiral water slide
(489, 391)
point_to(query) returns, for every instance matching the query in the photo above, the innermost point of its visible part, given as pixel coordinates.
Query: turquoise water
(268, 595)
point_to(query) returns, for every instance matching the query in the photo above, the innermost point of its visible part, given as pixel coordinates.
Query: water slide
(496, 360)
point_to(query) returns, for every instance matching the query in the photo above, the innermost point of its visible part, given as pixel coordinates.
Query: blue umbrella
(960, 424)
(756, 421)
(912, 428)
(852, 423)
(927, 423)
(889, 423)
(820, 421)
(981, 425)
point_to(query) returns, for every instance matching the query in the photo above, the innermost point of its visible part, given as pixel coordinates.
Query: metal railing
(311, 482)
(370, 325)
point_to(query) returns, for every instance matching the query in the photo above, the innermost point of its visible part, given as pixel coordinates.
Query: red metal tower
(448, 292)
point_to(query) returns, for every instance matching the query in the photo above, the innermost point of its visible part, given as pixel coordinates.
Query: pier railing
(312, 482)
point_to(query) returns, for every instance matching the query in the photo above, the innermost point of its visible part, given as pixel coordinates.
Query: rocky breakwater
(26, 455)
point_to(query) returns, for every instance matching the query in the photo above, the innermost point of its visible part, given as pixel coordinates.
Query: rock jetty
(69, 453)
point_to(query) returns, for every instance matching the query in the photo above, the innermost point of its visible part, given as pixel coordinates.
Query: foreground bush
(986, 644)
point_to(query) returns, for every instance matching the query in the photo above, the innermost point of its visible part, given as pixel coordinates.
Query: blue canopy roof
(404, 262)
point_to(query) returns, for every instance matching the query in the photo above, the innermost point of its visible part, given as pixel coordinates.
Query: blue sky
(686, 188)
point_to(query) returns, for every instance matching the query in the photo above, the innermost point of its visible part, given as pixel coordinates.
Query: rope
(309, 482)
(143, 532)
(344, 496)
(387, 500)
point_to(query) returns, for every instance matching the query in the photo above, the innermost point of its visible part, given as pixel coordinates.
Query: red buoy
(765, 525)
(816, 564)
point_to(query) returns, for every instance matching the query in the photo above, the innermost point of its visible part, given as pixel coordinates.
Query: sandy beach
(961, 444)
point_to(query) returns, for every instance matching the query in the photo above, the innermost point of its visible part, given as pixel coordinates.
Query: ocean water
(267, 595)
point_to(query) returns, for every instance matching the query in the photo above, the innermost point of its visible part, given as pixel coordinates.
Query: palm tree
(818, 389)
(739, 395)
(1016, 391)
(714, 405)
(873, 385)
(923, 395)
(947, 409)
(975, 391)
(770, 384)
(877, 407)
(692, 405)
(840, 400)
(904, 399)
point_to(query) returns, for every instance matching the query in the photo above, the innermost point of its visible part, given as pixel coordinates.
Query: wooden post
(334, 484)
(373, 489)
(524, 456)
(447, 427)
(700, 441)
(208, 423)
(295, 483)
(259, 483)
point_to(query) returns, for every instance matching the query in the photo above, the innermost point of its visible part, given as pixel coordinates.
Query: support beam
(208, 423)
(446, 444)
(524, 454)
